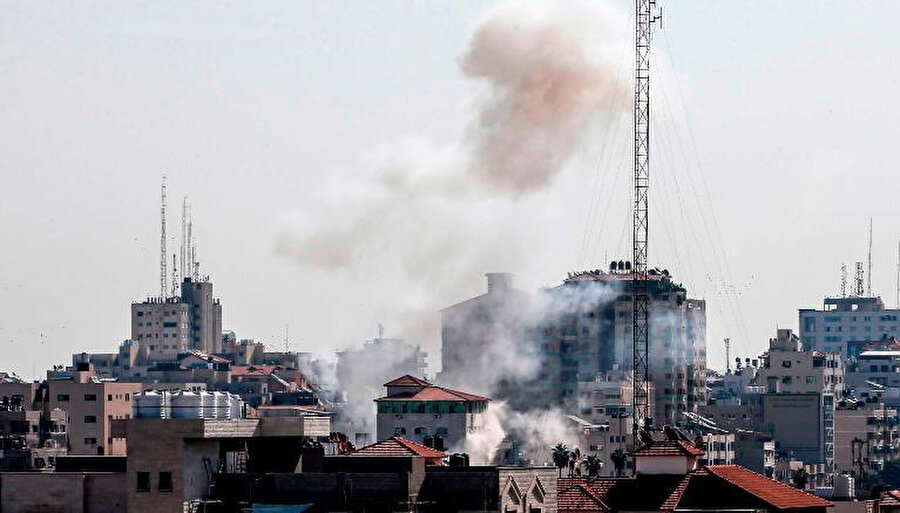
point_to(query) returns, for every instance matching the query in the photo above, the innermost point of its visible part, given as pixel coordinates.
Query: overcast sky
(773, 146)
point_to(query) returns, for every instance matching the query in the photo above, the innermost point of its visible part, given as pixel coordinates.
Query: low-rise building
(416, 409)
(669, 478)
(755, 451)
(864, 433)
(91, 404)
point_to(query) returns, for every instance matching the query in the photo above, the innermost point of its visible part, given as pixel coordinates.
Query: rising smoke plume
(420, 220)
(547, 78)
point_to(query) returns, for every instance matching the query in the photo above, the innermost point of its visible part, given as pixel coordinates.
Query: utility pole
(162, 241)
(644, 18)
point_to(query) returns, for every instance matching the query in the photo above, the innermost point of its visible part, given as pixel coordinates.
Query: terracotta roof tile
(674, 498)
(407, 380)
(435, 393)
(573, 495)
(891, 498)
(399, 446)
(668, 448)
(778, 495)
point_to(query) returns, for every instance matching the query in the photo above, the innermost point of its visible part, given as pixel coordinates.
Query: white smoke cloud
(537, 430)
(418, 220)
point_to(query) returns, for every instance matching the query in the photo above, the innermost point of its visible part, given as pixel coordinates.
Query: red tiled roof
(434, 393)
(778, 495)
(399, 446)
(253, 370)
(407, 381)
(674, 498)
(573, 495)
(208, 357)
(668, 448)
(891, 498)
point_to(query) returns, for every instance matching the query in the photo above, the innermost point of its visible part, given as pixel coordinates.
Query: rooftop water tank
(187, 405)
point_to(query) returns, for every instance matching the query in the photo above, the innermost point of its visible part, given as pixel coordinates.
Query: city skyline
(263, 120)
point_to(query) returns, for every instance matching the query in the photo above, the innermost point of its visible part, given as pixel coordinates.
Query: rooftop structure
(436, 416)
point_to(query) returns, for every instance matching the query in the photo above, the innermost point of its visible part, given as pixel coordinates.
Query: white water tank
(220, 405)
(843, 487)
(236, 406)
(187, 405)
(208, 402)
(148, 405)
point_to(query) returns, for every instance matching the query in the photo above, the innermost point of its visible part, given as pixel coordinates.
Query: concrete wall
(50, 492)
(525, 489)
(795, 422)
(455, 423)
(113, 401)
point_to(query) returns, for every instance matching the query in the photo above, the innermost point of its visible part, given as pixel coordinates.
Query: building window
(143, 482)
(62, 397)
(165, 481)
(109, 397)
(90, 441)
(399, 431)
(90, 397)
(127, 397)
(786, 364)
(90, 419)
(810, 379)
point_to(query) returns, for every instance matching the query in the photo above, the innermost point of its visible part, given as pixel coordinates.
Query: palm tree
(561, 457)
(618, 459)
(593, 465)
(800, 477)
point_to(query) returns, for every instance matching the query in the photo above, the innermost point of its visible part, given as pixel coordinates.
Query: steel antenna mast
(644, 18)
(162, 242)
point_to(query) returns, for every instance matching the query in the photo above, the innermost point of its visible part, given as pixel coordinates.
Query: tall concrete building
(594, 335)
(845, 320)
(175, 325)
(573, 332)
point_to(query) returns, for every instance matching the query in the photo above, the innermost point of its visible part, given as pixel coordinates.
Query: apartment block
(865, 430)
(787, 368)
(91, 405)
(174, 325)
(429, 414)
(844, 320)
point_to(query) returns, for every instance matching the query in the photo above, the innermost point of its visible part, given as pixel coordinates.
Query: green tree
(800, 477)
(593, 465)
(561, 457)
(618, 459)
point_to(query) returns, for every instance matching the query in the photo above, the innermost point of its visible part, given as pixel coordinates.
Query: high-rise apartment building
(175, 325)
(570, 334)
(845, 320)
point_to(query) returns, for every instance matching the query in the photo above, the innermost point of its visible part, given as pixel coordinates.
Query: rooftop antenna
(174, 276)
(162, 241)
(380, 331)
(858, 290)
(286, 328)
(869, 273)
(843, 280)
(644, 18)
(184, 242)
(728, 356)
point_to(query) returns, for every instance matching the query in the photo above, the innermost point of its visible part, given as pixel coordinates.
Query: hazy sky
(772, 149)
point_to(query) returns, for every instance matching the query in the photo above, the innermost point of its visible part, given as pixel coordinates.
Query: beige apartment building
(90, 405)
(786, 368)
(872, 424)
